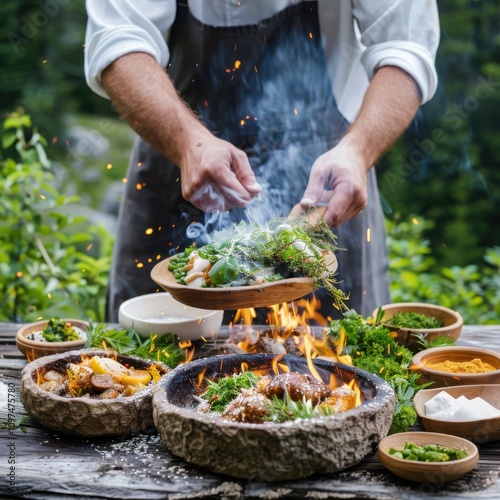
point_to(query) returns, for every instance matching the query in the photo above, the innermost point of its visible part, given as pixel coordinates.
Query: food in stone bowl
(418, 325)
(287, 423)
(56, 335)
(91, 392)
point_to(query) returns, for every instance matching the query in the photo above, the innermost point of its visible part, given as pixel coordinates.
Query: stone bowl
(34, 349)
(269, 451)
(84, 416)
(450, 329)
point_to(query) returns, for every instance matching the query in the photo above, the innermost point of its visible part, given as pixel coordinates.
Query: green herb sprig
(164, 349)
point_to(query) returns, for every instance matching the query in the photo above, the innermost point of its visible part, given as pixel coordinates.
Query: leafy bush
(471, 290)
(48, 261)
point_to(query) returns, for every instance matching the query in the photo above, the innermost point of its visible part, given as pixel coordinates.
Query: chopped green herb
(58, 330)
(427, 453)
(220, 394)
(412, 319)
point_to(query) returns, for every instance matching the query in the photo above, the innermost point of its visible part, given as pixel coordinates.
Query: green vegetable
(427, 453)
(58, 330)
(224, 271)
(220, 394)
(290, 247)
(411, 319)
(123, 341)
(372, 348)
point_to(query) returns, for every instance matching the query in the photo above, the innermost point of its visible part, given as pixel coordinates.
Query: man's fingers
(244, 173)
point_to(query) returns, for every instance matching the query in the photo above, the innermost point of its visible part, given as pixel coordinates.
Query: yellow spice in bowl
(473, 366)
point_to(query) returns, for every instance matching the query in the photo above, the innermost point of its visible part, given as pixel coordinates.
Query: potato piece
(108, 366)
(130, 390)
(79, 376)
(53, 376)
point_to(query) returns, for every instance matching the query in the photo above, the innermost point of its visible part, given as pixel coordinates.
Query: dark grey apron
(265, 89)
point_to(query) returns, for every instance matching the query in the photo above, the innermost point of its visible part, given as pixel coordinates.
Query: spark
(237, 64)
(415, 221)
(255, 69)
(49, 295)
(54, 139)
(109, 166)
(149, 230)
(368, 235)
(139, 164)
(19, 274)
(310, 35)
(158, 257)
(139, 265)
(124, 180)
(44, 61)
(42, 197)
(138, 186)
(242, 122)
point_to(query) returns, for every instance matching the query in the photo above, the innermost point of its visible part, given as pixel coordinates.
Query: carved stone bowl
(83, 416)
(269, 451)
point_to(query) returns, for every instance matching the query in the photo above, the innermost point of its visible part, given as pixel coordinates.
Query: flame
(355, 387)
(200, 377)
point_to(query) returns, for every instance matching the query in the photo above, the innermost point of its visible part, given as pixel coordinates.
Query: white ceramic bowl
(160, 313)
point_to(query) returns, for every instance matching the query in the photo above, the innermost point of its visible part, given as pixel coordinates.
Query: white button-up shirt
(359, 36)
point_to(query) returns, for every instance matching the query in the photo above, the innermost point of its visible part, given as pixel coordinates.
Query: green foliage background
(444, 173)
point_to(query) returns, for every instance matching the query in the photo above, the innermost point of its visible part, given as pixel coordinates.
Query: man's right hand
(215, 175)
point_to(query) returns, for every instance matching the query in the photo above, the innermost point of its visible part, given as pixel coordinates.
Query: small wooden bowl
(34, 349)
(426, 357)
(228, 298)
(427, 472)
(477, 431)
(451, 329)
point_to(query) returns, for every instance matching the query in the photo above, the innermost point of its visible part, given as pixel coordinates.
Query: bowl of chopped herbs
(418, 325)
(56, 335)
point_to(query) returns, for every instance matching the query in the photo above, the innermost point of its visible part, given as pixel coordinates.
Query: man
(290, 100)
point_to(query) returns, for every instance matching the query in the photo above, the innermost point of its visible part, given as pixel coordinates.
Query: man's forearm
(389, 106)
(144, 96)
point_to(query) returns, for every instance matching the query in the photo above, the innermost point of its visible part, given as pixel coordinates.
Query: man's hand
(338, 177)
(338, 180)
(214, 174)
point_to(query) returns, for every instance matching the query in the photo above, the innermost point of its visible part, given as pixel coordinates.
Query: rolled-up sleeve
(119, 27)
(403, 33)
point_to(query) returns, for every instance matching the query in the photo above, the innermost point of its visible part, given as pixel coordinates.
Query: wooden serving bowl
(236, 297)
(422, 359)
(83, 416)
(477, 431)
(451, 329)
(427, 472)
(34, 349)
(269, 451)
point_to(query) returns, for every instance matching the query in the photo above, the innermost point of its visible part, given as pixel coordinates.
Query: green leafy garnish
(424, 343)
(164, 349)
(58, 330)
(219, 394)
(373, 348)
(416, 320)
(285, 409)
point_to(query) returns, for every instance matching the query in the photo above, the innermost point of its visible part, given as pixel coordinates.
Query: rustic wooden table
(46, 465)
